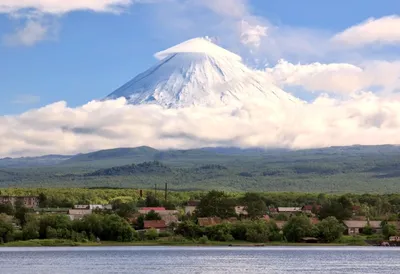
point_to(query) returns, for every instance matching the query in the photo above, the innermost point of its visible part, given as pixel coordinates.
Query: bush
(151, 234)
(177, 239)
(51, 233)
(297, 228)
(262, 232)
(189, 230)
(164, 234)
(220, 232)
(17, 235)
(203, 240)
(367, 230)
(330, 229)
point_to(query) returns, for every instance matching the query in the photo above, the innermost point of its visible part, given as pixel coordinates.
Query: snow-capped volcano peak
(198, 45)
(199, 73)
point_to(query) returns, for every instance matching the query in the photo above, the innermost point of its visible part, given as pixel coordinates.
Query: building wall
(28, 201)
(190, 209)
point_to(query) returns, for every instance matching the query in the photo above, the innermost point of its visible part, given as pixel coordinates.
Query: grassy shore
(166, 242)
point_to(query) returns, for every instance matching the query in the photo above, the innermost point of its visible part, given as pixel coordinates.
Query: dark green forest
(356, 169)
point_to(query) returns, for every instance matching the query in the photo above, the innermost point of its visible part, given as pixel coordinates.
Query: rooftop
(362, 224)
(155, 224)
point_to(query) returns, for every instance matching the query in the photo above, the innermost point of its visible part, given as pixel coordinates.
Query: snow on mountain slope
(199, 73)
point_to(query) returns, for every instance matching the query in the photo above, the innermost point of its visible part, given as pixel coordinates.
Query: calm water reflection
(200, 260)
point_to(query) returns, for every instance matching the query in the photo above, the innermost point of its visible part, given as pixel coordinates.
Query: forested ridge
(356, 169)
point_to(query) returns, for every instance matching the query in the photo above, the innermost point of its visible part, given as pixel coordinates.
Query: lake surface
(193, 260)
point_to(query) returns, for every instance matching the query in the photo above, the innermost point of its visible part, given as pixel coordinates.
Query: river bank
(166, 242)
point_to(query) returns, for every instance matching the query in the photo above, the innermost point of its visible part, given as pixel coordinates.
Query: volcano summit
(199, 73)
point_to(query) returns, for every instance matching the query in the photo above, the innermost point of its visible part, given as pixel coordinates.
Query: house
(145, 210)
(309, 240)
(289, 210)
(160, 210)
(209, 221)
(169, 219)
(81, 207)
(310, 209)
(191, 207)
(396, 224)
(27, 201)
(266, 218)
(160, 225)
(273, 210)
(49, 210)
(240, 210)
(356, 227)
(394, 239)
(280, 224)
(77, 214)
(101, 207)
(7, 200)
(356, 209)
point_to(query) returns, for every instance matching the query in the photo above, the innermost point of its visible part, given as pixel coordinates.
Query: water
(193, 260)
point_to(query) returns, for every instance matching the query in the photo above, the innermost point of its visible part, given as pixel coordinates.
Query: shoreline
(66, 243)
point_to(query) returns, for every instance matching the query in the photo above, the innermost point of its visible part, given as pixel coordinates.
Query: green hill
(335, 169)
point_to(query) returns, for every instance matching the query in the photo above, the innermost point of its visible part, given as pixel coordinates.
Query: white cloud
(252, 34)
(62, 6)
(26, 99)
(363, 119)
(384, 30)
(34, 12)
(227, 8)
(337, 77)
(28, 35)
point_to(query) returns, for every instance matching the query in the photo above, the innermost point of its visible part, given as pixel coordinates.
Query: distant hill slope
(143, 168)
(47, 160)
(335, 169)
(112, 154)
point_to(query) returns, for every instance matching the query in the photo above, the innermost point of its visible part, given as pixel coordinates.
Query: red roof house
(153, 208)
(310, 208)
(157, 224)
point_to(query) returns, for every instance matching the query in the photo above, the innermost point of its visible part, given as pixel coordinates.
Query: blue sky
(57, 57)
(85, 55)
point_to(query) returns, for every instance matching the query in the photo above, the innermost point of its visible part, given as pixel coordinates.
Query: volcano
(200, 73)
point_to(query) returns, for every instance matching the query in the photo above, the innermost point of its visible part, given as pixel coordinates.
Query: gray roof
(289, 209)
(362, 224)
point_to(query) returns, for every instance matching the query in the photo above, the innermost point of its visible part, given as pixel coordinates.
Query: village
(172, 219)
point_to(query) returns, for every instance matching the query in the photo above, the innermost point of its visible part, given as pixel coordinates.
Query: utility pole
(155, 190)
(166, 192)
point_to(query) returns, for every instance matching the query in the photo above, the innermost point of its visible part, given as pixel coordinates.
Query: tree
(43, 201)
(389, 230)
(50, 223)
(152, 201)
(169, 205)
(330, 229)
(367, 230)
(31, 228)
(341, 209)
(152, 215)
(151, 234)
(254, 205)
(220, 232)
(297, 228)
(7, 208)
(125, 210)
(262, 232)
(216, 204)
(189, 229)
(6, 228)
(20, 212)
(140, 222)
